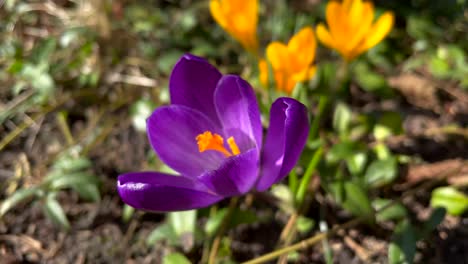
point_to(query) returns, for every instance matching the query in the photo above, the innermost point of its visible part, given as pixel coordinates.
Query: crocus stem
(301, 191)
(289, 231)
(293, 181)
(322, 104)
(320, 236)
(206, 243)
(343, 78)
(221, 230)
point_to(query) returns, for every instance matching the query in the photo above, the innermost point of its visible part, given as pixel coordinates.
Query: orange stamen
(233, 146)
(209, 141)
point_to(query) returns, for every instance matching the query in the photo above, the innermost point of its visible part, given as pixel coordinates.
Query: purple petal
(235, 176)
(154, 191)
(286, 137)
(238, 111)
(172, 131)
(192, 83)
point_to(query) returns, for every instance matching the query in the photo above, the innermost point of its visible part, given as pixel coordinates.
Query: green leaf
(55, 212)
(440, 68)
(214, 222)
(342, 118)
(237, 217)
(356, 163)
(17, 197)
(381, 172)
(304, 224)
(175, 258)
(326, 74)
(434, 220)
(89, 192)
(355, 200)
(419, 27)
(183, 224)
(240, 216)
(392, 121)
(285, 196)
(395, 211)
(381, 132)
(127, 213)
(164, 231)
(454, 201)
(382, 151)
(39, 78)
(370, 80)
(73, 179)
(342, 151)
(43, 51)
(403, 246)
(71, 164)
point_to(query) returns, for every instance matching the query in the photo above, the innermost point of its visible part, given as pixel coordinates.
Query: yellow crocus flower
(239, 18)
(291, 63)
(351, 28)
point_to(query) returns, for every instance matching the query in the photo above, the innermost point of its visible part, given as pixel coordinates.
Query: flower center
(209, 141)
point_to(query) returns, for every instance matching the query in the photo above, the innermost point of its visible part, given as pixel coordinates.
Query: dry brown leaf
(418, 90)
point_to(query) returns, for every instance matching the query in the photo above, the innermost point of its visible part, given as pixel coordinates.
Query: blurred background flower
(239, 19)
(351, 28)
(291, 63)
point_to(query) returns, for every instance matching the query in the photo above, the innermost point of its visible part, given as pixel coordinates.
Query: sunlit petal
(325, 37)
(277, 55)
(239, 19)
(378, 31)
(301, 48)
(286, 137)
(159, 192)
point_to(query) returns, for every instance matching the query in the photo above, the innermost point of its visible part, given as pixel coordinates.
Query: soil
(99, 235)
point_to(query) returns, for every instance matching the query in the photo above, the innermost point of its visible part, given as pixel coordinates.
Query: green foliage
(238, 217)
(18, 197)
(403, 247)
(454, 201)
(46, 60)
(175, 258)
(163, 232)
(381, 172)
(387, 210)
(354, 199)
(54, 211)
(371, 81)
(68, 172)
(342, 119)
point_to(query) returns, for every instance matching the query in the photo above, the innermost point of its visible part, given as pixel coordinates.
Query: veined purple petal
(235, 176)
(154, 191)
(172, 131)
(238, 111)
(285, 139)
(192, 83)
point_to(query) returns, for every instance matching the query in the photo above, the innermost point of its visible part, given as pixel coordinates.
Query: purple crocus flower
(211, 135)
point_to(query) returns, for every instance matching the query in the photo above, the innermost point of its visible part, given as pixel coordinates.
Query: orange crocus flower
(291, 63)
(351, 28)
(239, 19)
